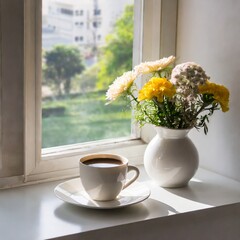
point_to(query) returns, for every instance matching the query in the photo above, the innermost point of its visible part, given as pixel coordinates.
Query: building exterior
(81, 22)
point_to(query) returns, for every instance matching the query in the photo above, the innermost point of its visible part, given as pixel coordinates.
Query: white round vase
(171, 158)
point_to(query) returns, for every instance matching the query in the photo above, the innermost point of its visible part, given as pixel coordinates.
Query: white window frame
(156, 39)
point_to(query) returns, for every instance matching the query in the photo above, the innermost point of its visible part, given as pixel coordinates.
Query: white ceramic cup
(103, 180)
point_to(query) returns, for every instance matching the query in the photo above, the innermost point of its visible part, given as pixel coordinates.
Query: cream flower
(120, 85)
(154, 66)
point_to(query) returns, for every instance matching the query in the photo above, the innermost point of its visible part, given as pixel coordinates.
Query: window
(66, 11)
(21, 130)
(75, 77)
(97, 12)
(96, 24)
(77, 39)
(79, 12)
(79, 24)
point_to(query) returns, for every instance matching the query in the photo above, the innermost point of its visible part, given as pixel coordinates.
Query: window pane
(86, 44)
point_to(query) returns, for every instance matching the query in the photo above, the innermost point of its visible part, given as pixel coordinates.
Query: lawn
(82, 118)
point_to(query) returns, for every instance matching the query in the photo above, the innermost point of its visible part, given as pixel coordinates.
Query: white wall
(209, 34)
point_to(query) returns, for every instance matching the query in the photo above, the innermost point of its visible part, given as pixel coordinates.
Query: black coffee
(103, 162)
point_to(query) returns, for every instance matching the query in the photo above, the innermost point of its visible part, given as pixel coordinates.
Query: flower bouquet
(180, 97)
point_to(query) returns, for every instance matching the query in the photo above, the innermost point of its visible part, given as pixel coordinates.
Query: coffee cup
(104, 176)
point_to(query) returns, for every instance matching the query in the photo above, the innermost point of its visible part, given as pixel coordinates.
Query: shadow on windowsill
(207, 193)
(150, 208)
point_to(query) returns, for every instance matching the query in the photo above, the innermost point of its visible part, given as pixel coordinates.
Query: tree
(116, 56)
(88, 79)
(62, 63)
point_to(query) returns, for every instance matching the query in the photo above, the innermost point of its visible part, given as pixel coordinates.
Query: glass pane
(86, 44)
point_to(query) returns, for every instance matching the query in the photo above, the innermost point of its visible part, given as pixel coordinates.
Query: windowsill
(33, 212)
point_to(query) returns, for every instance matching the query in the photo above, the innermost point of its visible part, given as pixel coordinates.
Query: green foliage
(116, 56)
(209, 106)
(62, 63)
(169, 115)
(86, 118)
(87, 80)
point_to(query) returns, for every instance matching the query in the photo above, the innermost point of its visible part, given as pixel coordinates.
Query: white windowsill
(33, 212)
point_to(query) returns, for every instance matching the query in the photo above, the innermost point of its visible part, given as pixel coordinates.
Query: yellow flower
(156, 87)
(219, 92)
(154, 66)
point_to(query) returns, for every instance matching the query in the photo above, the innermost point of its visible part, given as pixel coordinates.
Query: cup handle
(130, 181)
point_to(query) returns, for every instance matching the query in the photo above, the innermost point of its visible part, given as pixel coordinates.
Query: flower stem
(202, 108)
(163, 108)
(138, 103)
(134, 98)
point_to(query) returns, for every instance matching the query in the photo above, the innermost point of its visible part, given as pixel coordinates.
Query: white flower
(188, 73)
(120, 85)
(187, 77)
(154, 66)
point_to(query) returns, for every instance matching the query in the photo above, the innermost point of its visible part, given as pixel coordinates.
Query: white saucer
(72, 192)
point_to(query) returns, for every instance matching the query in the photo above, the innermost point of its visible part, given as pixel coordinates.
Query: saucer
(72, 192)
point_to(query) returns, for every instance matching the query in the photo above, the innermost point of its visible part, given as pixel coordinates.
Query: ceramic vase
(171, 158)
